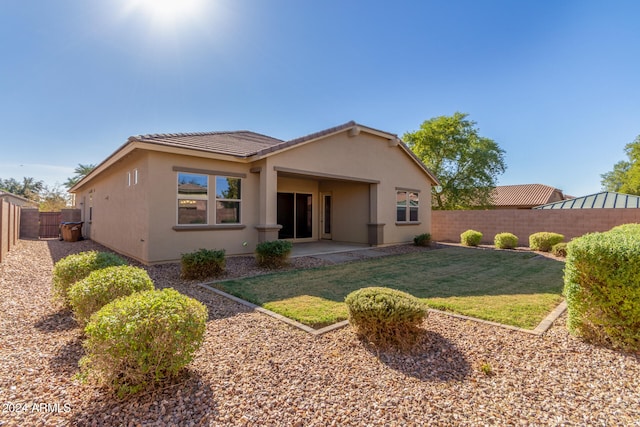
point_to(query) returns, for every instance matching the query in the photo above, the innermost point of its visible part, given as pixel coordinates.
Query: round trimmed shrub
(602, 288)
(422, 239)
(627, 228)
(101, 287)
(274, 253)
(76, 267)
(544, 241)
(559, 249)
(137, 341)
(202, 264)
(386, 317)
(471, 238)
(505, 241)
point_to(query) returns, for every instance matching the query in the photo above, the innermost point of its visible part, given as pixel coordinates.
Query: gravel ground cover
(254, 370)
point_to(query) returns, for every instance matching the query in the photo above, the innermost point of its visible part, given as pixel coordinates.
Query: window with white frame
(407, 203)
(228, 200)
(193, 198)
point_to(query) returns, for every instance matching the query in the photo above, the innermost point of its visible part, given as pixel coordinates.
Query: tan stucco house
(159, 196)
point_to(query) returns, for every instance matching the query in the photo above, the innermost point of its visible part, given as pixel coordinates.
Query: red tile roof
(237, 143)
(526, 195)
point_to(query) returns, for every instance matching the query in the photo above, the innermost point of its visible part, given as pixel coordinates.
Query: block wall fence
(30, 221)
(446, 226)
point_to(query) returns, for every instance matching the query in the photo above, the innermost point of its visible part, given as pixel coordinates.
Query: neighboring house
(525, 196)
(159, 196)
(17, 200)
(605, 199)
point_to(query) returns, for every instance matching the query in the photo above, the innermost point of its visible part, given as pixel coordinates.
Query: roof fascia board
(375, 132)
(149, 146)
(285, 147)
(121, 152)
(132, 145)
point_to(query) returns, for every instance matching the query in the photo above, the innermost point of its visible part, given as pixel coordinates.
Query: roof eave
(134, 144)
(346, 127)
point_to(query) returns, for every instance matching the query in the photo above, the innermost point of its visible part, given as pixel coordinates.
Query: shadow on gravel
(432, 358)
(67, 357)
(186, 400)
(59, 321)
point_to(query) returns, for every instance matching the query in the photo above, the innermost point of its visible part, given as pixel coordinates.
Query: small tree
(625, 176)
(29, 188)
(466, 163)
(53, 199)
(80, 172)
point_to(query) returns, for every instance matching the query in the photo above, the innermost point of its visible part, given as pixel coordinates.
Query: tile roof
(605, 199)
(242, 144)
(237, 143)
(524, 195)
(305, 138)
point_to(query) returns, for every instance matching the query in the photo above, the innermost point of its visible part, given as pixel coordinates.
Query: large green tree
(29, 188)
(80, 172)
(466, 163)
(625, 176)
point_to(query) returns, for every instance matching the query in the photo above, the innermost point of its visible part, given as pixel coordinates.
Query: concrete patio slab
(321, 247)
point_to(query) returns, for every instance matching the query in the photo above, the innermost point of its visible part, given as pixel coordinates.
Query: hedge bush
(471, 238)
(101, 287)
(544, 241)
(202, 263)
(386, 317)
(560, 249)
(76, 267)
(602, 287)
(505, 241)
(137, 341)
(273, 254)
(422, 239)
(627, 228)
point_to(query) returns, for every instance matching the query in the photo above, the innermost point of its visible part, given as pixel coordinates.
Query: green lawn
(513, 288)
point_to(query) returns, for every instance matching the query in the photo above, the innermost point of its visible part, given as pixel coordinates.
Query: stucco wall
(115, 214)
(368, 157)
(166, 243)
(362, 173)
(29, 223)
(448, 225)
(350, 210)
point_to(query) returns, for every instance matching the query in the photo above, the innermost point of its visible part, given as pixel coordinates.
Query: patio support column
(268, 227)
(375, 228)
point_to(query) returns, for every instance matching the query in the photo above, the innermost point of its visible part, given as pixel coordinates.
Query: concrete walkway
(335, 252)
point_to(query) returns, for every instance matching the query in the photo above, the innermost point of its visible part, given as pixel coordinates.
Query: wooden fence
(50, 224)
(9, 227)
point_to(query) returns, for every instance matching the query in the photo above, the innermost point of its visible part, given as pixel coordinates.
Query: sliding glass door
(295, 215)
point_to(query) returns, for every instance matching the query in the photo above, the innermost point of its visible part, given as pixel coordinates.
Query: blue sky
(555, 83)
